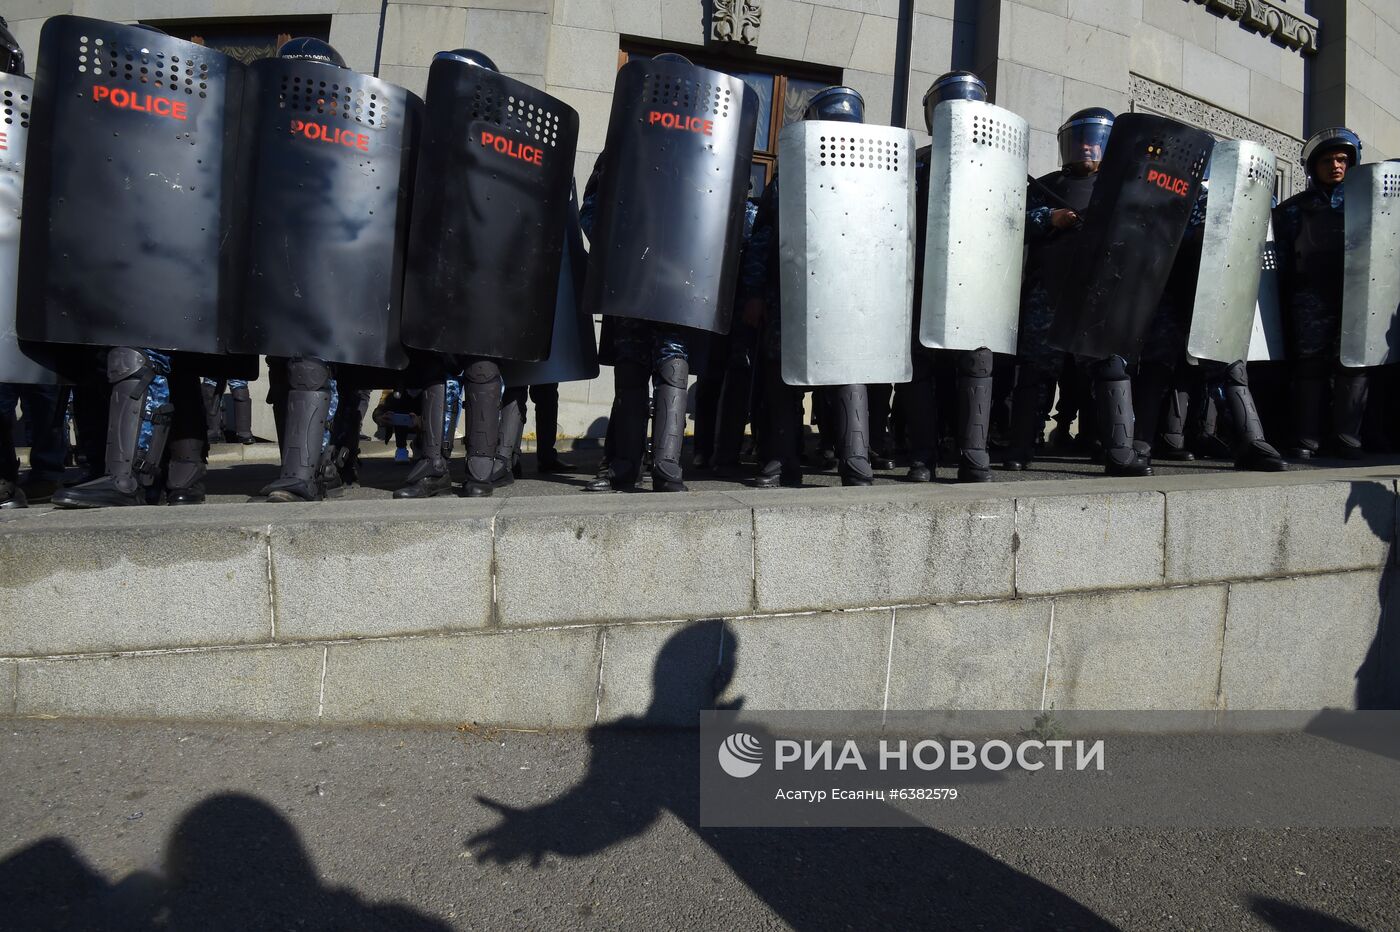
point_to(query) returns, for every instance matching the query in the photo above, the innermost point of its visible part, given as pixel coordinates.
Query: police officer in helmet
(848, 405)
(1310, 232)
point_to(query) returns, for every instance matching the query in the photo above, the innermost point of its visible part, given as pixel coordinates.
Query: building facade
(1267, 70)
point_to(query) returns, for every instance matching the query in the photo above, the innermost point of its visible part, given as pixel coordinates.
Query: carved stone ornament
(1268, 19)
(735, 21)
(1151, 97)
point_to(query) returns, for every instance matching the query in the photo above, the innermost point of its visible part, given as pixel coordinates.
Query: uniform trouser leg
(512, 429)
(878, 398)
(303, 432)
(1349, 389)
(920, 402)
(708, 388)
(1175, 410)
(1252, 451)
(129, 373)
(974, 388)
(213, 409)
(781, 448)
(546, 399)
(10, 495)
(1027, 419)
(735, 399)
(189, 444)
(242, 412)
(1113, 401)
(1309, 393)
(1152, 389)
(627, 431)
(277, 391)
(668, 429)
(850, 412)
(481, 388)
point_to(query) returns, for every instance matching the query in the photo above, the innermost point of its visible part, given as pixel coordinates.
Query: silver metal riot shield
(1371, 280)
(846, 252)
(976, 227)
(18, 362)
(573, 349)
(1266, 338)
(1236, 228)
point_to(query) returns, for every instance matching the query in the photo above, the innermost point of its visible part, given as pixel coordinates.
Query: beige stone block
(1216, 79)
(1275, 105)
(585, 14)
(1095, 56)
(1079, 95)
(931, 50)
(633, 17)
(582, 58)
(594, 108)
(1034, 94)
(355, 36)
(1035, 38)
(517, 41)
(1193, 23)
(411, 78)
(1157, 54)
(785, 27)
(875, 44)
(1120, 16)
(832, 36)
(682, 21)
(878, 91)
(1250, 49)
(413, 34)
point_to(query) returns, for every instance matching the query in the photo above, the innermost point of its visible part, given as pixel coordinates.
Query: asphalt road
(215, 827)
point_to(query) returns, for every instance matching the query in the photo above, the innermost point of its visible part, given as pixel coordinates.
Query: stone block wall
(1186, 593)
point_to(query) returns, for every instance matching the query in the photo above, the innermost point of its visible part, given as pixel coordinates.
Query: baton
(1040, 186)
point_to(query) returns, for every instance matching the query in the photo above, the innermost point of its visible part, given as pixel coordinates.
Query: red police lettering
(4, 141)
(516, 150)
(1177, 186)
(693, 124)
(317, 132)
(123, 99)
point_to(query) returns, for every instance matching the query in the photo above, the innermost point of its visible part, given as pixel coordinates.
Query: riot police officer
(626, 202)
(973, 367)
(848, 405)
(1310, 232)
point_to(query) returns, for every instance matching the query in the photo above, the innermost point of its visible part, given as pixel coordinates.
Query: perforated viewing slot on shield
(697, 96)
(104, 57)
(333, 99)
(517, 115)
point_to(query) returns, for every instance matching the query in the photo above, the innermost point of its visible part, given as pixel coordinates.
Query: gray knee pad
(674, 373)
(976, 364)
(307, 374)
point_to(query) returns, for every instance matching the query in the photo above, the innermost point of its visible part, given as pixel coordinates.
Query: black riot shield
(490, 204)
(1147, 187)
(130, 187)
(670, 214)
(330, 178)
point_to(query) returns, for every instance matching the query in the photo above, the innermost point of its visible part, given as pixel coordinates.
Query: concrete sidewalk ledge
(1228, 592)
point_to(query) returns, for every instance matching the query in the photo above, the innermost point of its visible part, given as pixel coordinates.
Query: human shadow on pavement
(231, 864)
(1286, 917)
(812, 878)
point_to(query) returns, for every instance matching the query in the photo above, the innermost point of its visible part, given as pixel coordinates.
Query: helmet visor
(1084, 140)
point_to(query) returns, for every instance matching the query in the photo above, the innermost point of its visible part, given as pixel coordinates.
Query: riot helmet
(11, 55)
(1084, 136)
(306, 48)
(955, 85)
(839, 103)
(469, 57)
(1332, 139)
(676, 57)
(149, 28)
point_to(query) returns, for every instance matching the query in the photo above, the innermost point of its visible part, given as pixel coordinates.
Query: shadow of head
(693, 671)
(1286, 917)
